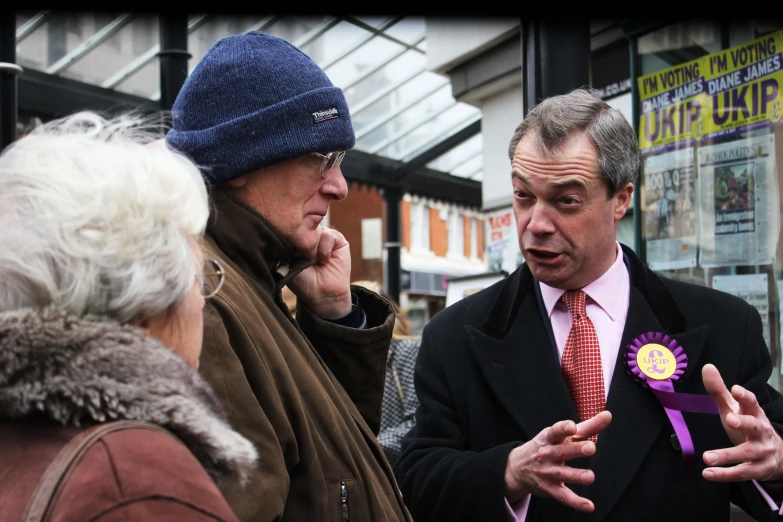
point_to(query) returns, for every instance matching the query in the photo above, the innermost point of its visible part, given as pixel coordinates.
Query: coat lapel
(637, 416)
(517, 359)
(524, 372)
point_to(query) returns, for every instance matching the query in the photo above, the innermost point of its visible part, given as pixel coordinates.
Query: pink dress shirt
(607, 307)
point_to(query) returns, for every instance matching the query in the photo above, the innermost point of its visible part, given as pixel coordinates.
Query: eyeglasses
(329, 160)
(213, 277)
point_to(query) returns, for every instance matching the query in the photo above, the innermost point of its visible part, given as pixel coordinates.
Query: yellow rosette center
(656, 361)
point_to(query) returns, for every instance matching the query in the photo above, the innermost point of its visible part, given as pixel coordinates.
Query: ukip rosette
(657, 361)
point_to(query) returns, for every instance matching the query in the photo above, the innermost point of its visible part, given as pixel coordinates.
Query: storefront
(708, 108)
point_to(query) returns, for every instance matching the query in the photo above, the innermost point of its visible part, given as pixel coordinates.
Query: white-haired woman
(101, 297)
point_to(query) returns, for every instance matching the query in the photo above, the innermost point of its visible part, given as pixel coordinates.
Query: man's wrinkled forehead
(575, 156)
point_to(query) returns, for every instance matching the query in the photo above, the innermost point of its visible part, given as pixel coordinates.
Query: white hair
(96, 221)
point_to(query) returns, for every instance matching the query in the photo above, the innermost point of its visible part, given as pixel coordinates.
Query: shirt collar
(602, 291)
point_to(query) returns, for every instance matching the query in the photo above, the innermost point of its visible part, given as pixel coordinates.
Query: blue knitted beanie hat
(255, 100)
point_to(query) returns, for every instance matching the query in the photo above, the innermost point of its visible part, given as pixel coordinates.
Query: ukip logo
(657, 360)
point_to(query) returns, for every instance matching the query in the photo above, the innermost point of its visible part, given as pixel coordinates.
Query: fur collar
(80, 371)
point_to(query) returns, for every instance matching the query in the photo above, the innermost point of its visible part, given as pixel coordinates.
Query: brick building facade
(439, 240)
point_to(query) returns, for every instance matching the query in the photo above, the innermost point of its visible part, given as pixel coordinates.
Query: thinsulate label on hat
(328, 114)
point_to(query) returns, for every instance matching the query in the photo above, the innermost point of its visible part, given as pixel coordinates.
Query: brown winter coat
(306, 392)
(57, 371)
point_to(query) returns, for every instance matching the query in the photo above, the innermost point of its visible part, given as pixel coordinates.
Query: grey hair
(95, 221)
(555, 120)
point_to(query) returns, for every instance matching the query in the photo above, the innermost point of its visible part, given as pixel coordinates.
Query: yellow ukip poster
(717, 95)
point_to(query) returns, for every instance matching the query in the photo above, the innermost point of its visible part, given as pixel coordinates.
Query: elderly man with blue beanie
(269, 129)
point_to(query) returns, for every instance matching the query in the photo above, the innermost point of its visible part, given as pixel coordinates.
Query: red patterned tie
(582, 360)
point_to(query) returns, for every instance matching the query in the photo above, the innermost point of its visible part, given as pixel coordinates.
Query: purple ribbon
(673, 403)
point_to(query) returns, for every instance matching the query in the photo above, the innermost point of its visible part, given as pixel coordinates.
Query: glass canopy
(399, 109)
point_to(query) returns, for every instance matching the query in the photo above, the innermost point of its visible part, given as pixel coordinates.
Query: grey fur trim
(80, 371)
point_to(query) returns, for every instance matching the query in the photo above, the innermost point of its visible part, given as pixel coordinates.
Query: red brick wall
(480, 238)
(439, 237)
(346, 216)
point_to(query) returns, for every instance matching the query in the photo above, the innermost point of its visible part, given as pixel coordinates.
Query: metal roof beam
(404, 132)
(91, 43)
(359, 107)
(375, 69)
(456, 160)
(382, 33)
(54, 96)
(437, 150)
(316, 32)
(31, 25)
(263, 23)
(364, 132)
(437, 139)
(137, 64)
(364, 40)
(363, 167)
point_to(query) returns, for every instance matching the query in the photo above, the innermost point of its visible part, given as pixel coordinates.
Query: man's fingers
(559, 453)
(560, 431)
(746, 452)
(570, 475)
(749, 425)
(568, 498)
(747, 401)
(714, 385)
(326, 244)
(738, 473)
(593, 425)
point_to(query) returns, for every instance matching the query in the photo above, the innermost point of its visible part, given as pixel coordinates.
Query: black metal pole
(9, 70)
(173, 55)
(393, 245)
(638, 211)
(556, 58)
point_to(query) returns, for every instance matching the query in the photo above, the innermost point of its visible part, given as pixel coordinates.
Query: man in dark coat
(542, 396)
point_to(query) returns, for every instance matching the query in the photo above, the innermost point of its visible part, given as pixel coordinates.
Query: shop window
(710, 121)
(456, 234)
(372, 238)
(420, 227)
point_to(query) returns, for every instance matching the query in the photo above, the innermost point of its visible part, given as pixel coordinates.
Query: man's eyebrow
(569, 183)
(557, 185)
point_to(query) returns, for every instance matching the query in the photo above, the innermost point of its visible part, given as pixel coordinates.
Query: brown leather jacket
(307, 392)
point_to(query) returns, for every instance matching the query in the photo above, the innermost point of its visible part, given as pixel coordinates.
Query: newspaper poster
(718, 95)
(502, 242)
(753, 289)
(740, 211)
(670, 210)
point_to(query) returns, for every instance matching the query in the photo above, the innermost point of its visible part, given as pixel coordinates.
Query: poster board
(670, 210)
(739, 207)
(753, 289)
(503, 254)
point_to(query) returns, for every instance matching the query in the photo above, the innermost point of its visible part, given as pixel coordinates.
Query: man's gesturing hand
(538, 466)
(758, 449)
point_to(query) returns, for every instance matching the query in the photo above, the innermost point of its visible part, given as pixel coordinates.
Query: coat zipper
(344, 501)
(369, 436)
